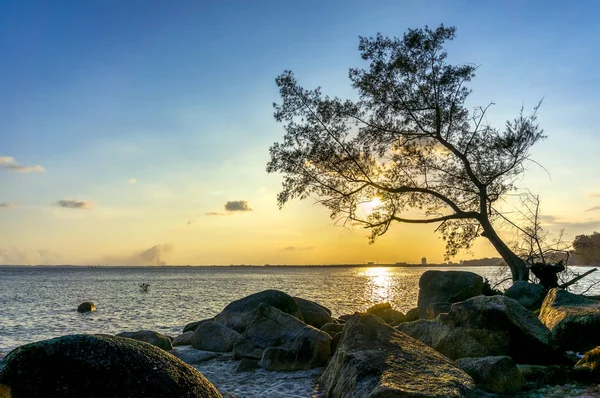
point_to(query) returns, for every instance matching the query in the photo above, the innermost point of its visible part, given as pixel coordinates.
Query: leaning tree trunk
(518, 267)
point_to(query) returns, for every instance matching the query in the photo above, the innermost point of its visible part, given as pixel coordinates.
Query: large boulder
(387, 313)
(375, 360)
(190, 327)
(540, 375)
(529, 295)
(148, 336)
(332, 328)
(313, 314)
(498, 375)
(588, 367)
(212, 336)
(282, 342)
(99, 366)
(487, 326)
(238, 314)
(412, 314)
(447, 286)
(573, 320)
(435, 309)
(183, 339)
(192, 356)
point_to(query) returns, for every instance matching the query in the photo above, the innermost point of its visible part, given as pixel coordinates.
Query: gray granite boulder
(498, 375)
(447, 286)
(573, 320)
(212, 336)
(238, 314)
(332, 328)
(387, 313)
(99, 366)
(190, 327)
(148, 336)
(529, 295)
(412, 314)
(487, 326)
(282, 342)
(183, 339)
(313, 314)
(588, 368)
(435, 309)
(375, 360)
(192, 356)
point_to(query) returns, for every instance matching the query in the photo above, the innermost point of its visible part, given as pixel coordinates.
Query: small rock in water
(247, 365)
(88, 306)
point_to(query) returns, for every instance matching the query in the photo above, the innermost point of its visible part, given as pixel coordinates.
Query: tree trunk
(518, 267)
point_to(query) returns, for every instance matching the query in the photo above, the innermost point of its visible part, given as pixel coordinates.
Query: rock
(447, 286)
(247, 365)
(435, 309)
(190, 327)
(314, 314)
(100, 366)
(183, 339)
(387, 313)
(332, 328)
(588, 368)
(412, 314)
(238, 314)
(529, 295)
(213, 336)
(573, 320)
(375, 360)
(540, 375)
(283, 341)
(336, 338)
(156, 339)
(487, 326)
(88, 306)
(344, 318)
(498, 375)
(192, 356)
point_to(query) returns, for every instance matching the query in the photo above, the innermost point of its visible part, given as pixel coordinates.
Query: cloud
(214, 213)
(74, 204)
(190, 222)
(593, 208)
(132, 181)
(154, 255)
(296, 248)
(7, 205)
(16, 256)
(237, 205)
(9, 163)
(594, 195)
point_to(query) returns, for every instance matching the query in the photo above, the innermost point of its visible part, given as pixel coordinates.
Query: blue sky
(178, 96)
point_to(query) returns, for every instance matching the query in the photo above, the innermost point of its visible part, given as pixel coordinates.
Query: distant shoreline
(428, 266)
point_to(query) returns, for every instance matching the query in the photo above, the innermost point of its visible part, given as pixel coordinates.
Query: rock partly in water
(282, 342)
(190, 327)
(573, 320)
(447, 286)
(88, 306)
(148, 336)
(100, 366)
(238, 314)
(192, 356)
(588, 368)
(375, 360)
(540, 375)
(487, 326)
(529, 295)
(313, 314)
(332, 328)
(387, 313)
(498, 375)
(412, 314)
(183, 339)
(213, 336)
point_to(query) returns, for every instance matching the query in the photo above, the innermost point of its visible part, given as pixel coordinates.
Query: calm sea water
(38, 303)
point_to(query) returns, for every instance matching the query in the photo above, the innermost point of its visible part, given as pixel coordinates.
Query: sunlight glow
(380, 284)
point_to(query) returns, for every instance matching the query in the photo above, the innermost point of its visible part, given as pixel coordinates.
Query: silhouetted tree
(588, 247)
(409, 140)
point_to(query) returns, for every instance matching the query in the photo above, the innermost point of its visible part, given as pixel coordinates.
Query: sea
(40, 302)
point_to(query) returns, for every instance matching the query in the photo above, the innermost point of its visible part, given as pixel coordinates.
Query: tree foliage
(588, 247)
(409, 140)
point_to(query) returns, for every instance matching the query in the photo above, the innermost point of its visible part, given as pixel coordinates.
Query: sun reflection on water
(379, 284)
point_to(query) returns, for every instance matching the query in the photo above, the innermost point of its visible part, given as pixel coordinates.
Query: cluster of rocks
(462, 340)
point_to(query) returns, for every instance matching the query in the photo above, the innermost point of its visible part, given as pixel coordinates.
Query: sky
(138, 132)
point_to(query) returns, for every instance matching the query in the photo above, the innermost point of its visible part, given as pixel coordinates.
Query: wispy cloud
(296, 248)
(74, 204)
(214, 213)
(155, 255)
(237, 205)
(593, 208)
(9, 163)
(190, 222)
(16, 256)
(132, 181)
(7, 205)
(594, 195)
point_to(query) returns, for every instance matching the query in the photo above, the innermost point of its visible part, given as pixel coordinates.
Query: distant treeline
(587, 247)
